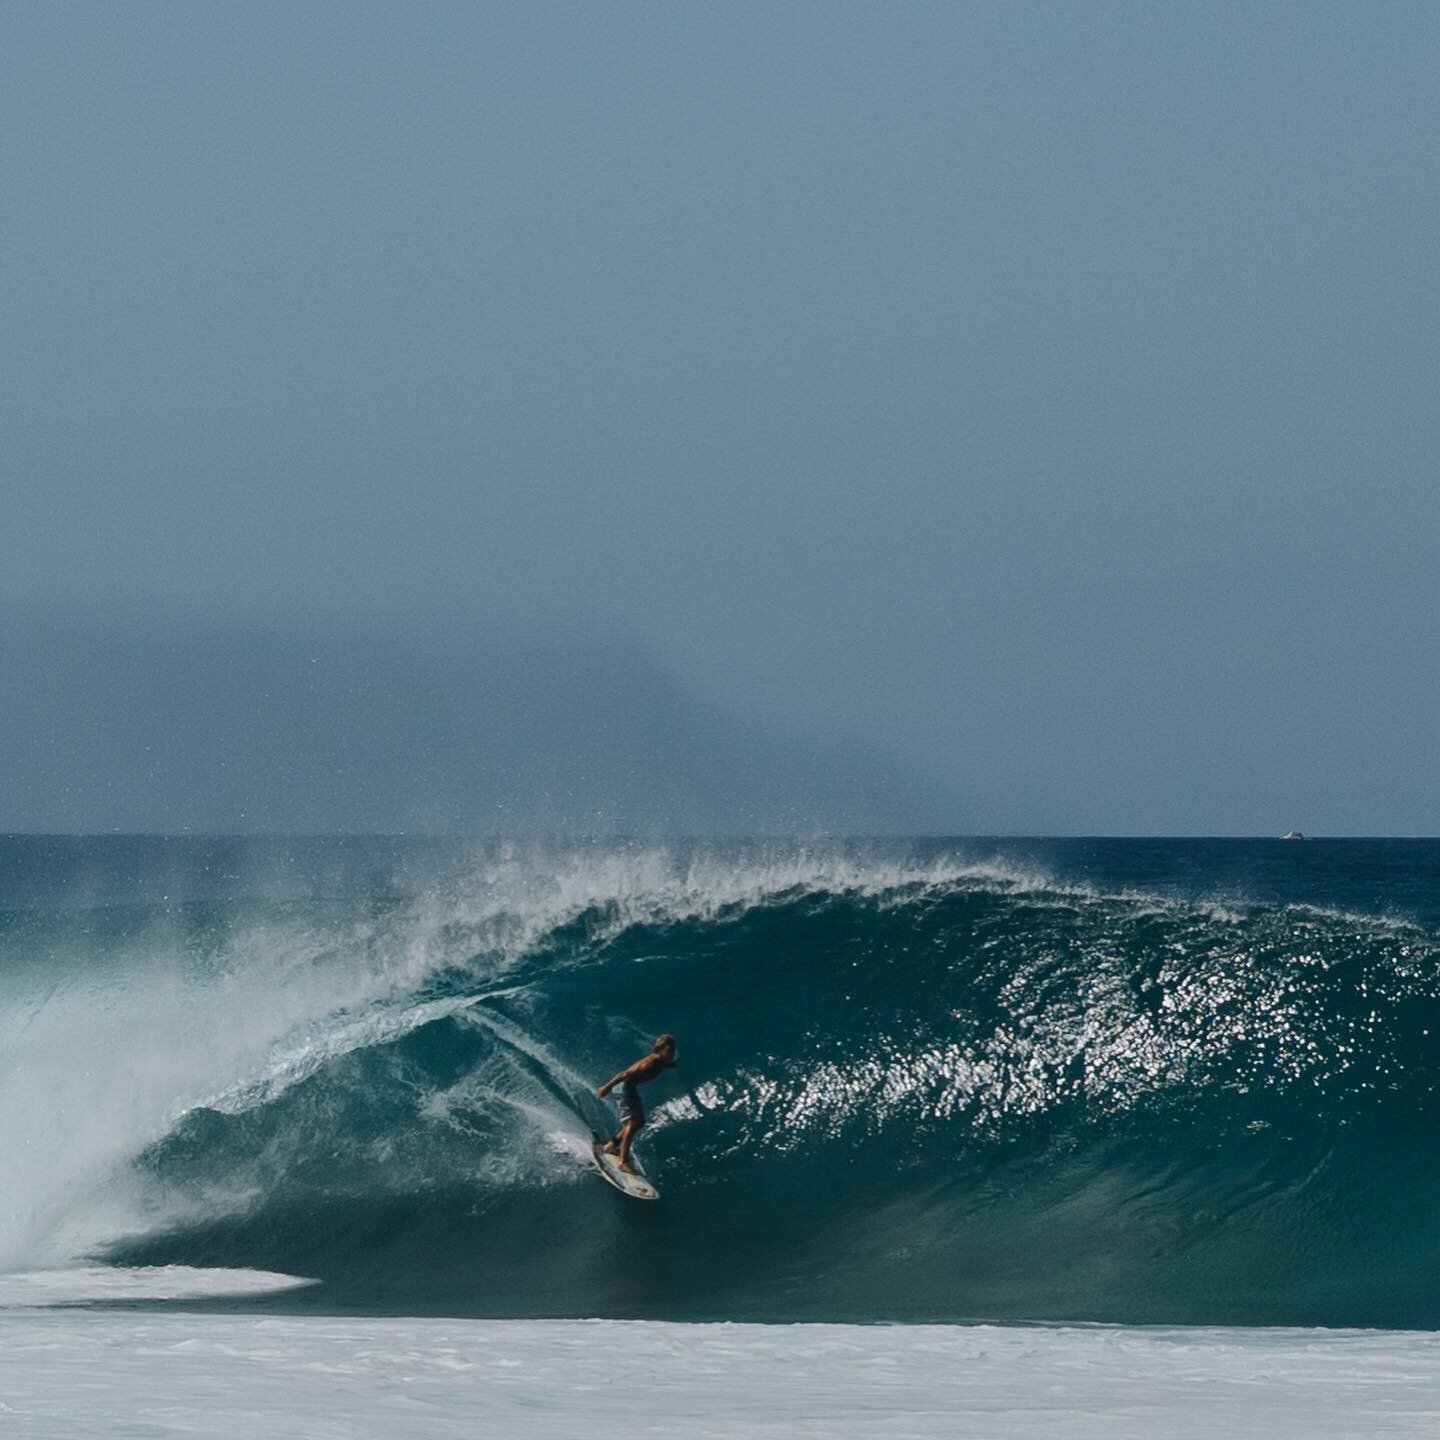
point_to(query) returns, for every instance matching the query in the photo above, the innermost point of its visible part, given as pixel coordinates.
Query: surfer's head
(664, 1046)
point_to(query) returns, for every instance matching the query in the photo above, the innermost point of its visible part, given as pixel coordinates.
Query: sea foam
(72, 1376)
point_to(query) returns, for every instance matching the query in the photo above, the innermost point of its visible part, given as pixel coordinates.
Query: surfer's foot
(625, 1167)
(610, 1148)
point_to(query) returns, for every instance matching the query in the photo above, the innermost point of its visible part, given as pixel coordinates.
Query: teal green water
(1142, 1081)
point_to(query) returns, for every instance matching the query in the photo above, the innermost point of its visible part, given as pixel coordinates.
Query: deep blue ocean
(1178, 1081)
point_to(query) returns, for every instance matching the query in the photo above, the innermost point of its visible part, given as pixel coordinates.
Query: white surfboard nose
(636, 1185)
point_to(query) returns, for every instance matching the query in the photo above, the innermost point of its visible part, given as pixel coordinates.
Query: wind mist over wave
(1142, 1081)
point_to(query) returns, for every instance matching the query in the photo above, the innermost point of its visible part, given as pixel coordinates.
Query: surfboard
(636, 1186)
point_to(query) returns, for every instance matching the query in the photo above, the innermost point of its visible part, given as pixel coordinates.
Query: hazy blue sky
(1040, 397)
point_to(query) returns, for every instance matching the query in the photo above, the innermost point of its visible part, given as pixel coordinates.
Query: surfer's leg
(627, 1139)
(631, 1118)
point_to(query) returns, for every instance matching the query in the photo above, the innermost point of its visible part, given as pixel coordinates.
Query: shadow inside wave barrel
(966, 1098)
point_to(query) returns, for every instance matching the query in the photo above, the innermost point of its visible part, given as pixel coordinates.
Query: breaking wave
(914, 1084)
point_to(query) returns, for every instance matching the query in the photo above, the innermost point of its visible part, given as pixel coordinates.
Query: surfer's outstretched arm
(614, 1080)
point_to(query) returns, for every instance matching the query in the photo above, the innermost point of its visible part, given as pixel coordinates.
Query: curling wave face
(1086, 1081)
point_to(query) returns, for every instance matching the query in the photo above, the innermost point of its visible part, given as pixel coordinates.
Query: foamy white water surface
(107, 1283)
(67, 1375)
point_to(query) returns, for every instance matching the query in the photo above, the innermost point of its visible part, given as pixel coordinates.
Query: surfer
(632, 1112)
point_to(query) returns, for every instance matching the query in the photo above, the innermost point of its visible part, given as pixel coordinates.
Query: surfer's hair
(664, 1042)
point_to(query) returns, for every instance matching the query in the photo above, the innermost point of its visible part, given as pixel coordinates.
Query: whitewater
(994, 1137)
(70, 1377)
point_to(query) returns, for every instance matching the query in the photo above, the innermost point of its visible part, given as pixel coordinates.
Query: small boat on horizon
(1292, 835)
